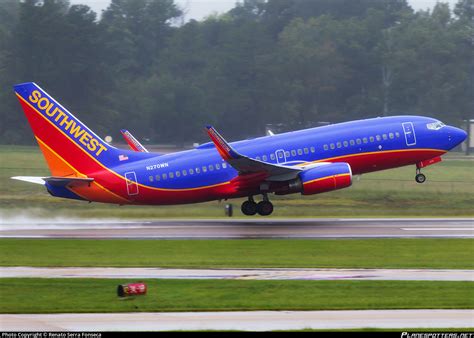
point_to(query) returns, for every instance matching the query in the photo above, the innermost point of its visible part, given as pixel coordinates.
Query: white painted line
(438, 229)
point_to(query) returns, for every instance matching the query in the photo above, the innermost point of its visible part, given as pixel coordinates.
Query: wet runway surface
(241, 228)
(242, 274)
(245, 321)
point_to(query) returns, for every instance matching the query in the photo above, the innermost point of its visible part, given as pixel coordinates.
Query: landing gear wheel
(420, 178)
(249, 208)
(264, 208)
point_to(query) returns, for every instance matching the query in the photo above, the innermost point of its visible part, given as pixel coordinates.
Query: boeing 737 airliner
(310, 161)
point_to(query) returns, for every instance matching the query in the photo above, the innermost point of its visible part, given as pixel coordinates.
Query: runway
(241, 274)
(245, 321)
(240, 228)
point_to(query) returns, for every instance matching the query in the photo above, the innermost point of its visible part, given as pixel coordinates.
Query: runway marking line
(438, 229)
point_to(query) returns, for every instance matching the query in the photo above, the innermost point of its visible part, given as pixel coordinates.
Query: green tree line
(287, 62)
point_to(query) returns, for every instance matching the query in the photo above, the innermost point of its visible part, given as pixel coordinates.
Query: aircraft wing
(133, 142)
(246, 165)
(56, 180)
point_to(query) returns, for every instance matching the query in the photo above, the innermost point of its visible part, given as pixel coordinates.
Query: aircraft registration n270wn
(310, 161)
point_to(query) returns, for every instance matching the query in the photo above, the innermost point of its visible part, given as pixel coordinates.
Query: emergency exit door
(131, 181)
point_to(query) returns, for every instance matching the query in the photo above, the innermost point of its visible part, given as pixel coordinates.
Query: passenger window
(171, 175)
(312, 149)
(224, 165)
(272, 157)
(365, 140)
(287, 153)
(391, 136)
(185, 173)
(191, 171)
(150, 178)
(378, 138)
(280, 155)
(198, 170)
(165, 176)
(359, 141)
(384, 136)
(397, 134)
(333, 146)
(293, 152)
(157, 177)
(257, 158)
(352, 142)
(346, 144)
(204, 169)
(339, 144)
(326, 147)
(300, 152)
(178, 174)
(306, 151)
(265, 158)
(211, 167)
(218, 166)
(371, 138)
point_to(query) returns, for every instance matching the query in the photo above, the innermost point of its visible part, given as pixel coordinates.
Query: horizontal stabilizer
(56, 181)
(29, 179)
(68, 181)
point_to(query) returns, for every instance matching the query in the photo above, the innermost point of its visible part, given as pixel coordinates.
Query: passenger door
(409, 131)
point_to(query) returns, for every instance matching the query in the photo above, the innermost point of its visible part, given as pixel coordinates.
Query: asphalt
(243, 274)
(240, 228)
(245, 321)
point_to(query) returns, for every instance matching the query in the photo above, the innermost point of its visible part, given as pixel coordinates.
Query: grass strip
(290, 253)
(35, 295)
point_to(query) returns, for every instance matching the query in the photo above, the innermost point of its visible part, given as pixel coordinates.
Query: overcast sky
(198, 9)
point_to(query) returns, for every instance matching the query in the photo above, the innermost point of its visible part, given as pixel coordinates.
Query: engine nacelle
(327, 177)
(323, 178)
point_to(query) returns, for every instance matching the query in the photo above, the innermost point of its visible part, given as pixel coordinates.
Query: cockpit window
(435, 125)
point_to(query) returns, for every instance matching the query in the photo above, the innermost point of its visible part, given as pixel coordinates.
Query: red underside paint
(369, 162)
(327, 184)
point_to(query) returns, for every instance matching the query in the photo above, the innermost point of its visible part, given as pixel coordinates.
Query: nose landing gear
(263, 208)
(419, 178)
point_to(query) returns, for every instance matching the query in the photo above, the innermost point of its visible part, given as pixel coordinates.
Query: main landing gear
(419, 178)
(263, 208)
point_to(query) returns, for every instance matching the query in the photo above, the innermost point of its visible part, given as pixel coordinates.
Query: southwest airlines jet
(310, 161)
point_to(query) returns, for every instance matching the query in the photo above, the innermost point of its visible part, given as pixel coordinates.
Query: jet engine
(323, 178)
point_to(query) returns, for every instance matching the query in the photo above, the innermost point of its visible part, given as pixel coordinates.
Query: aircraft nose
(457, 135)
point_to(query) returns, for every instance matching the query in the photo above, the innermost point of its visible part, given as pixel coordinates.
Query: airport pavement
(243, 274)
(245, 321)
(240, 228)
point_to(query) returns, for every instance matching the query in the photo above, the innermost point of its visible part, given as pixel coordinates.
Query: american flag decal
(123, 157)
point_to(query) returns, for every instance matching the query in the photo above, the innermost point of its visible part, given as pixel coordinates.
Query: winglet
(224, 149)
(133, 142)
